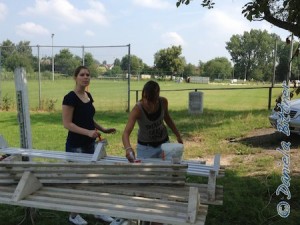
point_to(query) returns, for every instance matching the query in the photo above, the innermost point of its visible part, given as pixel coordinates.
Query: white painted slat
(127, 207)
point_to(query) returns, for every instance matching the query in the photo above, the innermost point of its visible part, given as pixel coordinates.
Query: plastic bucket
(172, 151)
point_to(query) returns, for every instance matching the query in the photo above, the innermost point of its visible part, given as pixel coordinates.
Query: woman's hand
(179, 140)
(110, 131)
(93, 133)
(130, 155)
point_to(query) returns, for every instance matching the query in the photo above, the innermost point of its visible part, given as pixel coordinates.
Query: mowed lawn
(252, 174)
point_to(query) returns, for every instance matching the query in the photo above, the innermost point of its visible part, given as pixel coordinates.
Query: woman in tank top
(151, 113)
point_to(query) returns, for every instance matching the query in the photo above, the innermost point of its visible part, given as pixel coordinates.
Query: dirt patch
(267, 139)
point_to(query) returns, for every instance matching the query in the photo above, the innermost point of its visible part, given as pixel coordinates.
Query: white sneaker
(77, 220)
(104, 218)
(118, 221)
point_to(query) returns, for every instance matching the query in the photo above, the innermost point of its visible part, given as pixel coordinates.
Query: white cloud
(154, 4)
(89, 33)
(31, 30)
(95, 13)
(3, 11)
(172, 38)
(222, 23)
(65, 12)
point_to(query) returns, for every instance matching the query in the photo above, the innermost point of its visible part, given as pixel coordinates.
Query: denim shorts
(146, 151)
(89, 149)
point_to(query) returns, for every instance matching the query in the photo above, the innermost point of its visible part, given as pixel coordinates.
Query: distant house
(108, 66)
(145, 76)
(46, 61)
(202, 80)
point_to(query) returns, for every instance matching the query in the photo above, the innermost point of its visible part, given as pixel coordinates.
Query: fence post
(270, 98)
(23, 109)
(136, 96)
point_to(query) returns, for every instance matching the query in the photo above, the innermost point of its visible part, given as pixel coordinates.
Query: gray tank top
(152, 131)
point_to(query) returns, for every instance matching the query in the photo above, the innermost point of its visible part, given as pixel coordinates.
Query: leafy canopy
(284, 14)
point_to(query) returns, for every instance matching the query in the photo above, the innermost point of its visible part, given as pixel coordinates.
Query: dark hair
(151, 91)
(77, 70)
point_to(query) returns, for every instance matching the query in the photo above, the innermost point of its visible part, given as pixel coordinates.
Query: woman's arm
(133, 116)
(104, 130)
(169, 121)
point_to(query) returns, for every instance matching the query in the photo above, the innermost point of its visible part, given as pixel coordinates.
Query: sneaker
(104, 218)
(77, 220)
(118, 221)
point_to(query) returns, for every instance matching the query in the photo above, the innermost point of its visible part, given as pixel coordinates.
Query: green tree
(136, 64)
(117, 62)
(282, 69)
(66, 62)
(252, 54)
(18, 60)
(91, 63)
(169, 60)
(46, 63)
(201, 66)
(7, 48)
(101, 70)
(19, 55)
(116, 70)
(218, 68)
(281, 13)
(190, 70)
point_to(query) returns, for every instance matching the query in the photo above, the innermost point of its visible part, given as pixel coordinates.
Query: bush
(48, 105)
(6, 103)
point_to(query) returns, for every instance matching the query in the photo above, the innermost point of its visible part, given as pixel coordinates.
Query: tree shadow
(270, 140)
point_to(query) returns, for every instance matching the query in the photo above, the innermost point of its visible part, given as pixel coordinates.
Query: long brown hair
(77, 70)
(151, 91)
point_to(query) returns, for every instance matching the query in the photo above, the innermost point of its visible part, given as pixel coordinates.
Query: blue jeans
(146, 151)
(89, 149)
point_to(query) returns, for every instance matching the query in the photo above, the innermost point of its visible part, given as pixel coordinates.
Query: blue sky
(147, 25)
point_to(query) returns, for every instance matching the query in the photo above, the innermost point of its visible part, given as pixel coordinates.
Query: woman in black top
(78, 118)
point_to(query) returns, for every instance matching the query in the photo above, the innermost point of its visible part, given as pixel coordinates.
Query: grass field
(252, 171)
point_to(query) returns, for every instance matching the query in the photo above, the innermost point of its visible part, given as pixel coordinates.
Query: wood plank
(196, 168)
(211, 188)
(170, 192)
(217, 162)
(99, 152)
(100, 203)
(145, 209)
(119, 169)
(93, 165)
(97, 173)
(93, 197)
(27, 185)
(193, 204)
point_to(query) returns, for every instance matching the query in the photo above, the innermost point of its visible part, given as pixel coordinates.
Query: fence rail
(216, 89)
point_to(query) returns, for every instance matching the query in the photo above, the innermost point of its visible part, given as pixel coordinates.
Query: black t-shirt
(83, 116)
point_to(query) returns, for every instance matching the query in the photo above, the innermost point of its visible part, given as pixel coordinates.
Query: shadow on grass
(270, 141)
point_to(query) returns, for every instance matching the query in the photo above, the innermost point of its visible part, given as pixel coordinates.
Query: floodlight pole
(0, 69)
(83, 60)
(128, 77)
(274, 66)
(290, 61)
(52, 35)
(39, 76)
